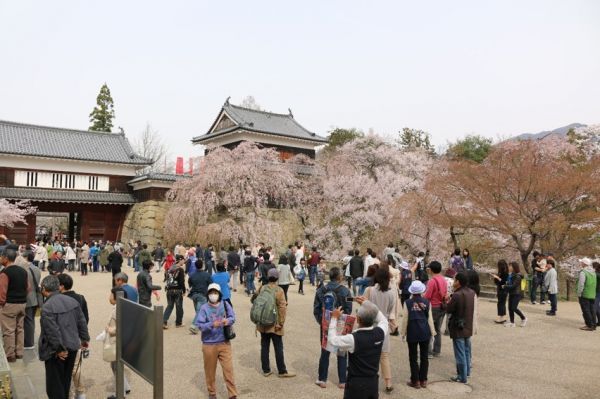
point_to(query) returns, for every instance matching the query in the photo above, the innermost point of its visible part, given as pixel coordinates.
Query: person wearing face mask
(212, 317)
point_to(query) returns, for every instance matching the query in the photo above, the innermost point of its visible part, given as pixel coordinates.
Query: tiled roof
(71, 196)
(262, 122)
(51, 142)
(168, 177)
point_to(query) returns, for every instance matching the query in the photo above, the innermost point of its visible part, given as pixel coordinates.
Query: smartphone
(349, 298)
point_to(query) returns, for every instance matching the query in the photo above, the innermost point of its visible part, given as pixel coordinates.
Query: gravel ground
(549, 358)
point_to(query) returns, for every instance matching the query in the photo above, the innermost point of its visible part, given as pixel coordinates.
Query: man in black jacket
(357, 269)
(115, 260)
(63, 332)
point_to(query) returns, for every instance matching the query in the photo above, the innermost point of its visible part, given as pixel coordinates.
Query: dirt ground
(549, 358)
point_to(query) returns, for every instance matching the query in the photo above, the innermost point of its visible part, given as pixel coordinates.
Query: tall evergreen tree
(103, 113)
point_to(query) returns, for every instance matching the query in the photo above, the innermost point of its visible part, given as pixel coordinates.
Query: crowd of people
(417, 301)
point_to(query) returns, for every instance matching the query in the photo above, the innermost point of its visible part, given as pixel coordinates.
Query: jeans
(462, 356)
(513, 307)
(265, 343)
(418, 372)
(553, 302)
(535, 283)
(301, 286)
(342, 365)
(95, 264)
(209, 266)
(177, 301)
(436, 342)
(250, 289)
(136, 264)
(588, 311)
(502, 295)
(84, 268)
(362, 284)
(312, 274)
(198, 300)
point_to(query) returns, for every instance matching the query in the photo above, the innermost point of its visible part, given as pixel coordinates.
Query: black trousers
(58, 376)
(285, 290)
(502, 295)
(363, 387)
(418, 372)
(29, 326)
(513, 307)
(588, 311)
(174, 300)
(265, 343)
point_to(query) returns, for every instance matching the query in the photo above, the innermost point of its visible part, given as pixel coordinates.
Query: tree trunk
(525, 260)
(454, 237)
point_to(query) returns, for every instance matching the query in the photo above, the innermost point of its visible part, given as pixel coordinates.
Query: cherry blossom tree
(360, 181)
(528, 194)
(14, 212)
(227, 200)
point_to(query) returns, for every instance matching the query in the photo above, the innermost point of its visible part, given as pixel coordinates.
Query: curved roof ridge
(259, 111)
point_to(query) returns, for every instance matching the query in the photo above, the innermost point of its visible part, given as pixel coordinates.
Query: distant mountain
(561, 131)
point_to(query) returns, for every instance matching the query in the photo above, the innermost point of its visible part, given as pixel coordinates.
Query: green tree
(415, 138)
(473, 148)
(339, 136)
(103, 113)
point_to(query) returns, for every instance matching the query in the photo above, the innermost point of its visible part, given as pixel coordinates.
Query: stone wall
(144, 222)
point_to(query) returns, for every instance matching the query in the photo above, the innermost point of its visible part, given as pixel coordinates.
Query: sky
(493, 68)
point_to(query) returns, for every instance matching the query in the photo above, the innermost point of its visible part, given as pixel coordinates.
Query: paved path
(550, 358)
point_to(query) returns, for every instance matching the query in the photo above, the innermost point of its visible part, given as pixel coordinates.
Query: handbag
(443, 304)
(38, 292)
(228, 330)
(109, 349)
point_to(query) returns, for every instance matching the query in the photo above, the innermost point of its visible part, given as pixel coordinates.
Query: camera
(85, 353)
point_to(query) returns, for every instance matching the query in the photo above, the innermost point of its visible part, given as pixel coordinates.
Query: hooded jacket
(63, 326)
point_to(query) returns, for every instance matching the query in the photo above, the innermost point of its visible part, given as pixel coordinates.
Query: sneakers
(193, 331)
(29, 347)
(523, 322)
(457, 379)
(509, 324)
(321, 384)
(550, 313)
(543, 302)
(287, 374)
(267, 373)
(533, 302)
(180, 325)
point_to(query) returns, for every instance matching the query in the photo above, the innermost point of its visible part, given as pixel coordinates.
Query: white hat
(404, 265)
(586, 261)
(417, 287)
(214, 286)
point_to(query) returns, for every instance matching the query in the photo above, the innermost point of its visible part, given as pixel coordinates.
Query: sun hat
(586, 261)
(404, 265)
(416, 287)
(273, 273)
(214, 286)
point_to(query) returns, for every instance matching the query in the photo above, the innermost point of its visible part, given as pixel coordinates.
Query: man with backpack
(175, 288)
(268, 313)
(457, 262)
(419, 269)
(330, 297)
